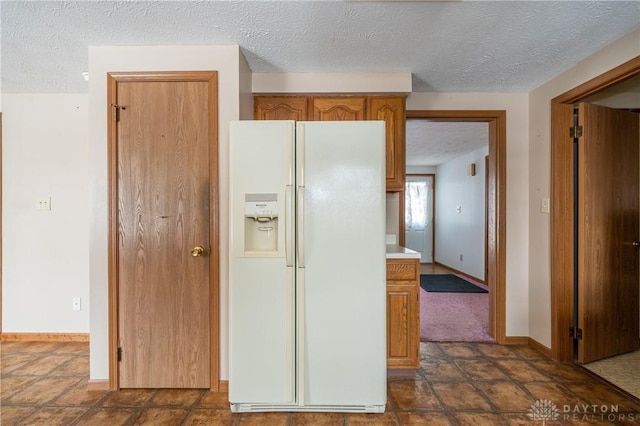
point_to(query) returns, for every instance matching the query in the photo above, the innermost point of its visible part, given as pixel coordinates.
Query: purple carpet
(454, 317)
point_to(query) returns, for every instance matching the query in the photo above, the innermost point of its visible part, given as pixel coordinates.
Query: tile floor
(457, 384)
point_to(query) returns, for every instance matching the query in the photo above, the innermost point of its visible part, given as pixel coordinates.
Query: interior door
(419, 216)
(163, 234)
(608, 192)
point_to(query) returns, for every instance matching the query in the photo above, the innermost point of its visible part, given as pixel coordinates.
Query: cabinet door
(403, 313)
(338, 108)
(403, 335)
(392, 111)
(280, 108)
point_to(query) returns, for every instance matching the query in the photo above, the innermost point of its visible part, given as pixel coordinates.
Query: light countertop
(395, 251)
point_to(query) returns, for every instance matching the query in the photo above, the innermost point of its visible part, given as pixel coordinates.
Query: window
(415, 209)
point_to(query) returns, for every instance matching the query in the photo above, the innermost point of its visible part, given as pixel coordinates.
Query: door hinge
(119, 354)
(116, 111)
(575, 131)
(575, 333)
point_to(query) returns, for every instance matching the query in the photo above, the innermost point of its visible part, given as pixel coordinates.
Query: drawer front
(402, 270)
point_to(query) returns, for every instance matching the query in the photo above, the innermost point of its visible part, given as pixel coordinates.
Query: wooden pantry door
(165, 209)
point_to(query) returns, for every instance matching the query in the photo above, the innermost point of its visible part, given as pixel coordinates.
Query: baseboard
(540, 347)
(44, 337)
(98, 385)
(524, 340)
(516, 340)
(223, 386)
(464, 274)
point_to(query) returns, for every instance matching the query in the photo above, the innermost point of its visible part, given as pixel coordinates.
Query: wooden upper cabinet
(392, 111)
(280, 108)
(338, 108)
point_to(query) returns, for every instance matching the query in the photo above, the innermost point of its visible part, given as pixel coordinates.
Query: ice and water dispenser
(261, 223)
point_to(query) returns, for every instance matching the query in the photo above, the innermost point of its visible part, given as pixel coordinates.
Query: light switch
(44, 203)
(459, 209)
(545, 206)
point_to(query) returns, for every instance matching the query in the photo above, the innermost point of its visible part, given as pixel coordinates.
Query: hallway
(453, 317)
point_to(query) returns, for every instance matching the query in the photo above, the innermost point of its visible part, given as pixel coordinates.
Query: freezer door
(341, 278)
(261, 285)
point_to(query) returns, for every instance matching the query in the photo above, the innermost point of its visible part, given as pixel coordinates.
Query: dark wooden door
(608, 192)
(163, 214)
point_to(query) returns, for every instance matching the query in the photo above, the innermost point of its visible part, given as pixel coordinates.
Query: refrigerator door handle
(301, 357)
(300, 154)
(300, 227)
(289, 220)
(291, 332)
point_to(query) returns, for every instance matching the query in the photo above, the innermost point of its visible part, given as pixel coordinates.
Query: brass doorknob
(197, 251)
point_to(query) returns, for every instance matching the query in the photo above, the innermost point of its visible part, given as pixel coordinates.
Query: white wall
(393, 214)
(539, 273)
(380, 82)
(45, 253)
(425, 170)
(226, 60)
(517, 249)
(246, 94)
(461, 233)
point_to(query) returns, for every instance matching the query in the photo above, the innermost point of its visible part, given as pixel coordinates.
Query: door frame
(113, 78)
(562, 231)
(497, 217)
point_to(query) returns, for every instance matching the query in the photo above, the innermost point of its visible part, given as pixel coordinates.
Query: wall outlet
(44, 203)
(76, 304)
(461, 258)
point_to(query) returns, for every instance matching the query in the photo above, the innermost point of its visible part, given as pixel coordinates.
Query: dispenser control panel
(261, 205)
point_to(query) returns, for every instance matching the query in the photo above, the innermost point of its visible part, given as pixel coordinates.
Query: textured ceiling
(430, 143)
(452, 46)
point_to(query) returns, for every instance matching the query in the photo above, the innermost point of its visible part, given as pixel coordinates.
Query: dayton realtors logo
(545, 410)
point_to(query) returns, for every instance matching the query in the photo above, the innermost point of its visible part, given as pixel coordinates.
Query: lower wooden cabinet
(403, 313)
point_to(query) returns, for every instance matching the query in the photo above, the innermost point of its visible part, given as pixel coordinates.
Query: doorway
(454, 302)
(496, 207)
(565, 266)
(163, 232)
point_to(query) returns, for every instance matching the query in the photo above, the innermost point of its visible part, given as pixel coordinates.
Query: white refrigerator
(307, 268)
